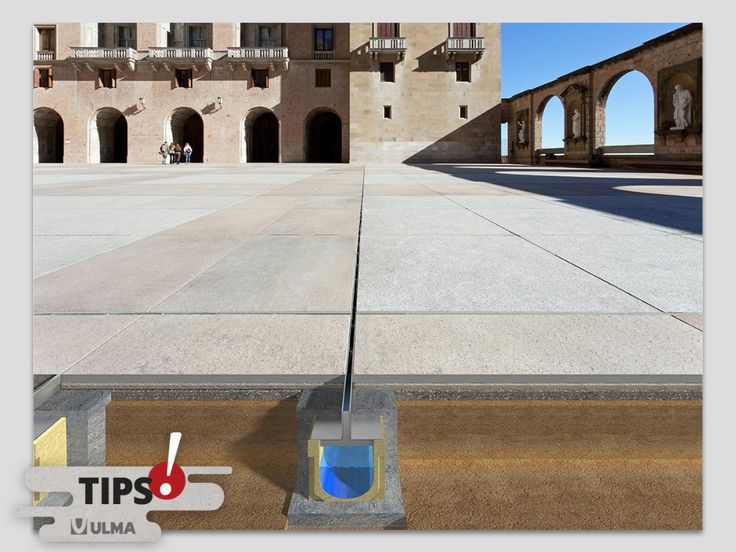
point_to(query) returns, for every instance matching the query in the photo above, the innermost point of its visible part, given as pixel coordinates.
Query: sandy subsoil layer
(256, 438)
(462, 464)
(551, 464)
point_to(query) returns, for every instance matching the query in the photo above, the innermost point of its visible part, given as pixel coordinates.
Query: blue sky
(536, 53)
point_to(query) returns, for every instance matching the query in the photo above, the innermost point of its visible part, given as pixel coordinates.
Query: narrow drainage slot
(346, 471)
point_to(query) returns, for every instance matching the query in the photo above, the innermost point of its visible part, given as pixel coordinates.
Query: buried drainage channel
(347, 449)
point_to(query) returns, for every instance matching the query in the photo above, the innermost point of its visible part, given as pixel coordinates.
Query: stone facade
(673, 58)
(80, 118)
(425, 98)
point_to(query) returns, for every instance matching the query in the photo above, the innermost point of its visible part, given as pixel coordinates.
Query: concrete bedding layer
(552, 392)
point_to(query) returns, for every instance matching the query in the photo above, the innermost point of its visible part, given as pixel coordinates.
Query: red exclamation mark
(167, 478)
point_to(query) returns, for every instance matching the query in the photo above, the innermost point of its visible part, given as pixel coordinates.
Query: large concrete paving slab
(426, 221)
(477, 274)
(299, 222)
(424, 346)
(106, 222)
(212, 345)
(134, 202)
(666, 271)
(131, 279)
(54, 252)
(302, 202)
(231, 222)
(401, 203)
(250, 264)
(494, 204)
(275, 274)
(553, 221)
(395, 190)
(60, 341)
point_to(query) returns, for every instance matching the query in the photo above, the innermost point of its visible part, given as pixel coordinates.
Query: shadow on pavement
(594, 189)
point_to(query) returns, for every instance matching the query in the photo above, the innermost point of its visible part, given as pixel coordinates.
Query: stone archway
(183, 126)
(602, 104)
(672, 59)
(108, 137)
(539, 119)
(548, 113)
(261, 132)
(323, 137)
(48, 136)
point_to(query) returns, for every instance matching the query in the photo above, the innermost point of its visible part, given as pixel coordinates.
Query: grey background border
(15, 221)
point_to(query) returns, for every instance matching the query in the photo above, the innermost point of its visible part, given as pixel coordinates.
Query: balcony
(90, 57)
(44, 55)
(193, 56)
(387, 45)
(323, 55)
(464, 45)
(270, 55)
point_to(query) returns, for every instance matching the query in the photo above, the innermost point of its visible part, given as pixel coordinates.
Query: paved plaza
(467, 273)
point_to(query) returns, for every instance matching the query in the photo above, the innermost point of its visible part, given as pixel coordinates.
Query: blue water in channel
(346, 471)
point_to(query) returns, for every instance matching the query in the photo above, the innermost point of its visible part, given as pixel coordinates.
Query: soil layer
(471, 464)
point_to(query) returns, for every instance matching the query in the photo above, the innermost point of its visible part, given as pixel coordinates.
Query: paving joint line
(558, 256)
(650, 226)
(200, 313)
(347, 392)
(98, 346)
(543, 248)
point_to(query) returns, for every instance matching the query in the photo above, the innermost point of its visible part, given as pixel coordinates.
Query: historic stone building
(267, 92)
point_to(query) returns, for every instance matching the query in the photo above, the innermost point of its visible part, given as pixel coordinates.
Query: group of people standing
(174, 151)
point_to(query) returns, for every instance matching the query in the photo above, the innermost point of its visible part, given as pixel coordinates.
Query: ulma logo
(80, 526)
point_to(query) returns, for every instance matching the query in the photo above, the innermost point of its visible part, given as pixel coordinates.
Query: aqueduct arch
(672, 59)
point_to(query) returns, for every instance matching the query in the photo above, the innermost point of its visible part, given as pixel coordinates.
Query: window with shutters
(184, 78)
(323, 78)
(259, 77)
(387, 30)
(108, 78)
(462, 71)
(463, 30)
(43, 77)
(387, 71)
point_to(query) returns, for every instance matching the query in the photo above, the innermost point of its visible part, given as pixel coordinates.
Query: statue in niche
(682, 100)
(522, 131)
(576, 125)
